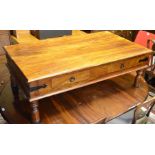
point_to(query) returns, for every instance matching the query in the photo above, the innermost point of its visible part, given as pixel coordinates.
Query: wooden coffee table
(59, 65)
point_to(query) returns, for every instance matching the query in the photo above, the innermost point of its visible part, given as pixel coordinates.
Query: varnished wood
(96, 103)
(92, 58)
(63, 83)
(53, 57)
(59, 65)
(138, 76)
(35, 112)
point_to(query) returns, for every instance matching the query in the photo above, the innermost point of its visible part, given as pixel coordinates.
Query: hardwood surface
(53, 57)
(96, 103)
(81, 78)
(71, 62)
(58, 65)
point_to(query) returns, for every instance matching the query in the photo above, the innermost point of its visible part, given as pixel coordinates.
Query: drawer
(70, 80)
(132, 62)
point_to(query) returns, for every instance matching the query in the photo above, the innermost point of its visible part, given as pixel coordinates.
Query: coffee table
(51, 67)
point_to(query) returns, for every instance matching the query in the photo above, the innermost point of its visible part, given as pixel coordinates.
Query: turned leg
(35, 112)
(14, 87)
(137, 78)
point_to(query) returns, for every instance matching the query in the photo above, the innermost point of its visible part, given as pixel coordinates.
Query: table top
(48, 58)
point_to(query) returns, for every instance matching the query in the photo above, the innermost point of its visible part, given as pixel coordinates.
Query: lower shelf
(97, 103)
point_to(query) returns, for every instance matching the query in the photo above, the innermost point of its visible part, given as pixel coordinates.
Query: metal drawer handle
(72, 79)
(122, 66)
(35, 88)
(144, 59)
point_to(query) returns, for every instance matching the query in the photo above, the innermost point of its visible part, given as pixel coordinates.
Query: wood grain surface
(58, 56)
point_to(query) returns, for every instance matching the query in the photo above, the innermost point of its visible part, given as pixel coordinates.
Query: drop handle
(72, 79)
(144, 59)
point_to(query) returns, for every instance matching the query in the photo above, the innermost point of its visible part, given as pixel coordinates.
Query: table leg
(35, 112)
(14, 87)
(137, 78)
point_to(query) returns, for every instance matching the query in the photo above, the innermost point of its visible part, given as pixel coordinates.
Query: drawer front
(70, 80)
(77, 79)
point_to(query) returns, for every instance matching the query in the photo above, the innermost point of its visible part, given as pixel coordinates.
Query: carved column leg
(14, 87)
(137, 78)
(35, 117)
